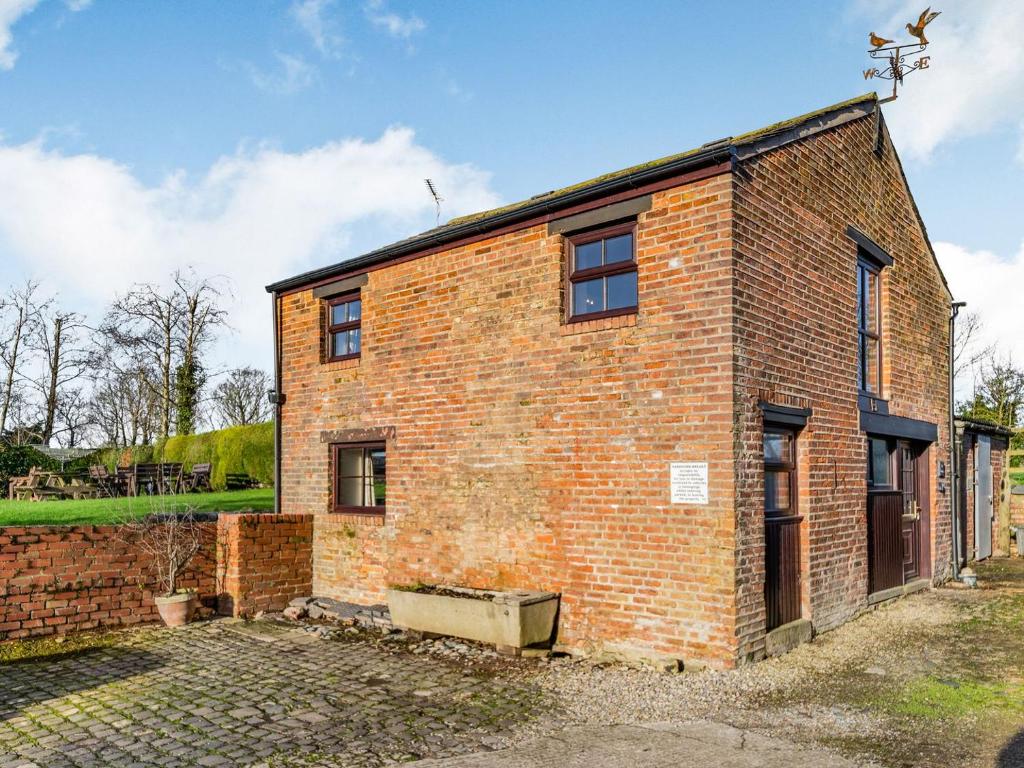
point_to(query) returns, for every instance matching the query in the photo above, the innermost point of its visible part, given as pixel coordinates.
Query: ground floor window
(360, 477)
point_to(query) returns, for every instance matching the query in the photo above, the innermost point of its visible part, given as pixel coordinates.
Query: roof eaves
(984, 427)
(467, 227)
(739, 147)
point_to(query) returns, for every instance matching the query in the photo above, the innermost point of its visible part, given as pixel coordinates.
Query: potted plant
(170, 541)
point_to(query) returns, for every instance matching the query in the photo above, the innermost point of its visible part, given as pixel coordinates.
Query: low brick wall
(1017, 505)
(263, 562)
(62, 579)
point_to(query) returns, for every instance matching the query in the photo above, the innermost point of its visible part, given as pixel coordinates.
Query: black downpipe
(277, 399)
(954, 453)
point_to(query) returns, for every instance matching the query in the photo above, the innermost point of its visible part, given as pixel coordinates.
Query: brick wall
(795, 344)
(530, 453)
(1016, 506)
(263, 562)
(58, 579)
(524, 452)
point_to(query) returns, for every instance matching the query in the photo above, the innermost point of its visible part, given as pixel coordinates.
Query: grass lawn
(101, 511)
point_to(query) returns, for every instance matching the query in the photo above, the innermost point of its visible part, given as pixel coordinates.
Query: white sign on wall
(689, 482)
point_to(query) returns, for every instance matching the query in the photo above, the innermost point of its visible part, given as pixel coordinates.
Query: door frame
(983, 508)
(786, 539)
(922, 454)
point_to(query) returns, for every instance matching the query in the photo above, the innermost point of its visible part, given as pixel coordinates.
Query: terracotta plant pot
(177, 610)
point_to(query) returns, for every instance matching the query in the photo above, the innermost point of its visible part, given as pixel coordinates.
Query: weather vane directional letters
(895, 55)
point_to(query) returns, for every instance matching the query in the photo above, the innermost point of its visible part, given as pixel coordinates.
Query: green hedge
(233, 450)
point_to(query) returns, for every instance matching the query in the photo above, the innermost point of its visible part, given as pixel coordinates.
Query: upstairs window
(344, 331)
(869, 329)
(602, 273)
(360, 478)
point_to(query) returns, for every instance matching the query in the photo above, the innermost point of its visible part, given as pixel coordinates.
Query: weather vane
(897, 67)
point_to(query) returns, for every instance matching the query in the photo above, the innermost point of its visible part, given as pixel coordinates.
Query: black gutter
(717, 154)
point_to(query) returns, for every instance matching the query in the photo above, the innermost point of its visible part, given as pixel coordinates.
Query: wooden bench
(199, 478)
(238, 481)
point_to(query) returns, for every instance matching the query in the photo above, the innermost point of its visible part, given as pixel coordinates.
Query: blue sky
(258, 139)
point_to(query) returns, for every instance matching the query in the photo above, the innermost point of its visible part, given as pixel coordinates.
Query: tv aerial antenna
(437, 199)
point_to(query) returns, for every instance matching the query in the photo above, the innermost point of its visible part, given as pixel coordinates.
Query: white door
(983, 498)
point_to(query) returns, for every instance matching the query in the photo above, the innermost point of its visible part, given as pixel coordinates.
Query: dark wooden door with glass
(897, 511)
(910, 530)
(781, 528)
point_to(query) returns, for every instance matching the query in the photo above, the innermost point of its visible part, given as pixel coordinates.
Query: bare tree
(968, 351)
(19, 316)
(168, 331)
(201, 315)
(74, 418)
(998, 395)
(59, 342)
(124, 406)
(241, 398)
(143, 323)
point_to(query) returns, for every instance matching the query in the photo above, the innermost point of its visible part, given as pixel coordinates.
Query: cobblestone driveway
(232, 694)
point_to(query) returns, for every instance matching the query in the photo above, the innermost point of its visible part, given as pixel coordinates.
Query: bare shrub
(171, 540)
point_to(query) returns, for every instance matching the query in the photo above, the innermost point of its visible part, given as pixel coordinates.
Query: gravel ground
(835, 691)
(855, 690)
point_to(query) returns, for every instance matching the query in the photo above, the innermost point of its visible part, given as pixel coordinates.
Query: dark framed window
(880, 463)
(780, 486)
(360, 478)
(602, 273)
(869, 328)
(344, 327)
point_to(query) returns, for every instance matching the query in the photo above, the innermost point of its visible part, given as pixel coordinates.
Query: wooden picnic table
(43, 484)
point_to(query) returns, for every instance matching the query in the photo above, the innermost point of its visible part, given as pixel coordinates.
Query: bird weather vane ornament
(897, 67)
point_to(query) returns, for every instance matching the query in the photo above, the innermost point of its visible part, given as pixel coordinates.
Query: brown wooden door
(911, 518)
(781, 529)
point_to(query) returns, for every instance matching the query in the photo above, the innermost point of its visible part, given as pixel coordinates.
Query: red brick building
(984, 526)
(704, 399)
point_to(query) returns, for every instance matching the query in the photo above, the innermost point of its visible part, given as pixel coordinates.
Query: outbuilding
(703, 399)
(984, 504)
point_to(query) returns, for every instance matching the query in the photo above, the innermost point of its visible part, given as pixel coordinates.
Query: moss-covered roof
(481, 221)
(742, 139)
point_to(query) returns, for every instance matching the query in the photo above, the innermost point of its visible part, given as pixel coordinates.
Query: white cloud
(311, 17)
(10, 12)
(294, 75)
(89, 227)
(975, 81)
(397, 26)
(990, 284)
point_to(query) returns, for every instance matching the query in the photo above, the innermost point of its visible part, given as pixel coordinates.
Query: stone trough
(510, 620)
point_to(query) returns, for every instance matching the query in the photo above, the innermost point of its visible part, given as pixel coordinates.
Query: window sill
(584, 325)
(602, 315)
(342, 363)
(356, 516)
